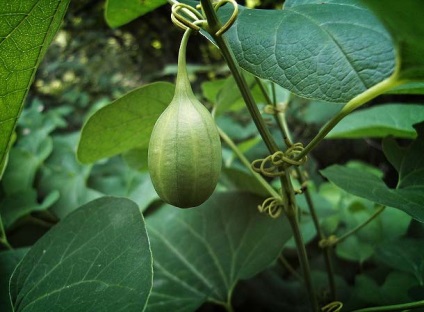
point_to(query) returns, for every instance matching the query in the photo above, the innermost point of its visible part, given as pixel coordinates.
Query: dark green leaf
(409, 194)
(367, 185)
(124, 124)
(404, 21)
(380, 121)
(201, 253)
(26, 30)
(367, 289)
(97, 259)
(14, 207)
(328, 51)
(121, 12)
(408, 88)
(405, 255)
(394, 153)
(8, 261)
(396, 288)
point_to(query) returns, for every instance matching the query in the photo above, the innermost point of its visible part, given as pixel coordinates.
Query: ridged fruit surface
(185, 153)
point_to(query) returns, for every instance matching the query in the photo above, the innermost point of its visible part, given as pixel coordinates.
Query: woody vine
(286, 164)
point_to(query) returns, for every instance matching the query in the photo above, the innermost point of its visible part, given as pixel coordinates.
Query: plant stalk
(3, 237)
(327, 250)
(360, 226)
(354, 103)
(303, 260)
(213, 26)
(289, 198)
(282, 124)
(395, 307)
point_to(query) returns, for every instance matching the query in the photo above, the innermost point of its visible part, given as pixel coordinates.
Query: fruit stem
(182, 81)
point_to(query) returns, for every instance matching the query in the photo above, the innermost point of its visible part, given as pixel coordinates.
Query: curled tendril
(192, 18)
(273, 165)
(231, 20)
(328, 242)
(334, 306)
(272, 206)
(182, 21)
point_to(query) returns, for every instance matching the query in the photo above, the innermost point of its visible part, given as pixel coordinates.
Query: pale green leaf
(121, 12)
(353, 249)
(380, 121)
(125, 123)
(96, 259)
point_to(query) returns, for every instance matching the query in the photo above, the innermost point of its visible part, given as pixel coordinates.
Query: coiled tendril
(185, 16)
(334, 306)
(274, 165)
(272, 206)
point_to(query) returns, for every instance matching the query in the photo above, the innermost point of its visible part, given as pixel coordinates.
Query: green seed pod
(184, 156)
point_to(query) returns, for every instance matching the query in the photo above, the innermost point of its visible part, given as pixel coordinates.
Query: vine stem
(360, 226)
(213, 26)
(280, 118)
(395, 307)
(327, 250)
(3, 237)
(350, 106)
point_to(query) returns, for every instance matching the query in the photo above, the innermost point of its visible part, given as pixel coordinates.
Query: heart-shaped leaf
(96, 259)
(409, 193)
(201, 253)
(332, 50)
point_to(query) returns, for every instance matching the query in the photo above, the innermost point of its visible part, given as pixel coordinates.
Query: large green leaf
(97, 259)
(409, 193)
(331, 51)
(404, 21)
(201, 253)
(121, 12)
(405, 255)
(26, 30)
(380, 121)
(125, 123)
(408, 88)
(8, 261)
